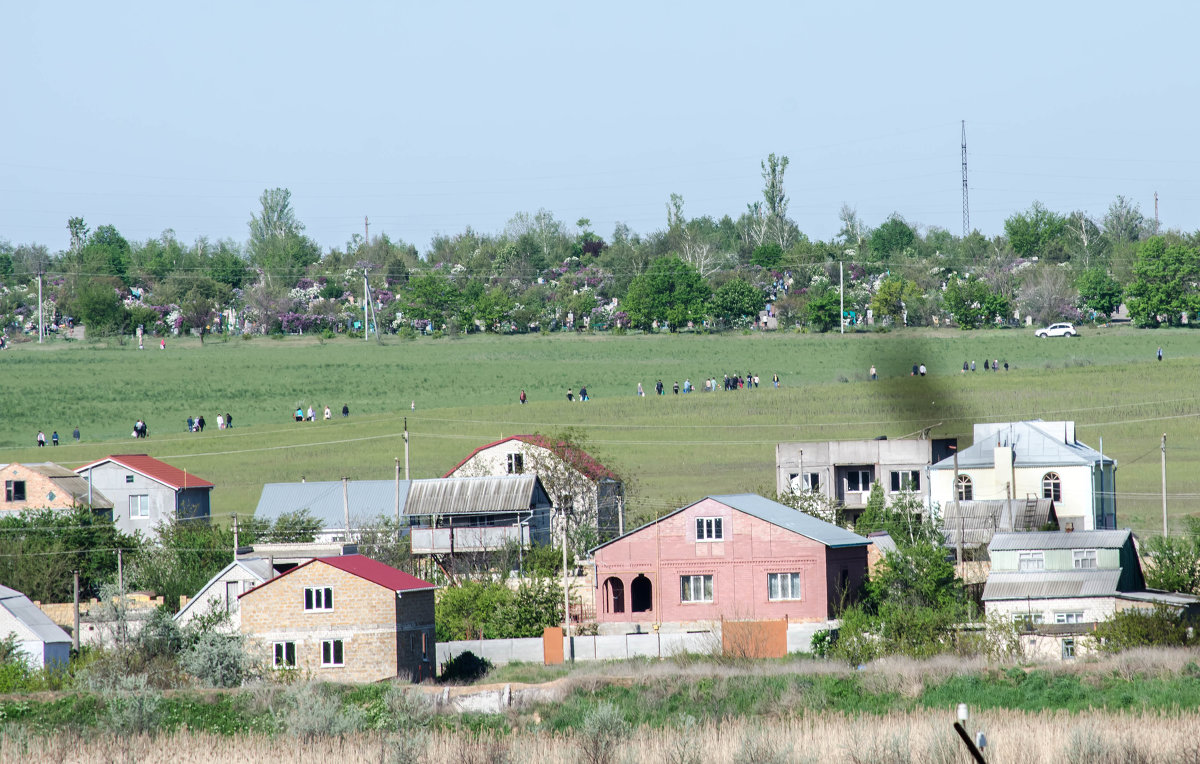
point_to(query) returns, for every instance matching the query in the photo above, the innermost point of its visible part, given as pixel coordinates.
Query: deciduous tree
(671, 291)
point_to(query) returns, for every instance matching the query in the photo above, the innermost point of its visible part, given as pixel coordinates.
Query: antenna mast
(966, 204)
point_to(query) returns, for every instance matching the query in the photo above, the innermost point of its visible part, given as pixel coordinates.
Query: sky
(427, 118)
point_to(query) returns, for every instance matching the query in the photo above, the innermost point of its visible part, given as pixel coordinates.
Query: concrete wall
(662, 644)
(1075, 506)
(823, 456)
(751, 550)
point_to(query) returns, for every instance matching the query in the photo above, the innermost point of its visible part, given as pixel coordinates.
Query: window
(858, 480)
(1068, 648)
(966, 492)
(1028, 619)
(695, 588)
(285, 655)
(14, 490)
(784, 586)
(231, 596)
(1074, 617)
(139, 507)
(906, 480)
(516, 464)
(1084, 558)
(709, 529)
(1051, 486)
(318, 598)
(1031, 561)
(331, 652)
(129, 478)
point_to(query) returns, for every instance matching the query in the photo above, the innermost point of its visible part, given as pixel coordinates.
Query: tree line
(540, 273)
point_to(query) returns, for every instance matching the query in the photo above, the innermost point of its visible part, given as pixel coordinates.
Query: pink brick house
(344, 619)
(729, 557)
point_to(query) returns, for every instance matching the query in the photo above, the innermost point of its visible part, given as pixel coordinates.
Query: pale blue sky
(429, 117)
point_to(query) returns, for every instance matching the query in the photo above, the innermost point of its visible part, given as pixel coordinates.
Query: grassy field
(673, 449)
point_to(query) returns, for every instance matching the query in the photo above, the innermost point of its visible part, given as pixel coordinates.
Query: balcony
(467, 538)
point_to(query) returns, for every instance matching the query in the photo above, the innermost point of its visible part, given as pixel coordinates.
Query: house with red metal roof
(590, 495)
(145, 491)
(344, 619)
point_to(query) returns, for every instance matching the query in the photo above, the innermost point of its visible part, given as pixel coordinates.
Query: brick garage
(344, 619)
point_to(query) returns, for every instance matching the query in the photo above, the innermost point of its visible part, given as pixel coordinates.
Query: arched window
(1052, 486)
(966, 491)
(614, 590)
(641, 595)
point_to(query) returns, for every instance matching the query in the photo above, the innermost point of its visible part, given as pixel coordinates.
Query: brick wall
(40, 491)
(371, 623)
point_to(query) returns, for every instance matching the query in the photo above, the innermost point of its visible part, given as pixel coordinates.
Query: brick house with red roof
(344, 619)
(145, 491)
(593, 494)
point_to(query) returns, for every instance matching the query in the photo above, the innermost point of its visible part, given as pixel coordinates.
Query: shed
(42, 640)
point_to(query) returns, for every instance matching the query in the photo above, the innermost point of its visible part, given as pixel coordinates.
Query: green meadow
(672, 449)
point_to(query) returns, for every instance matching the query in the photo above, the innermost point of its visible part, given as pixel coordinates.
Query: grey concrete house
(845, 470)
(145, 491)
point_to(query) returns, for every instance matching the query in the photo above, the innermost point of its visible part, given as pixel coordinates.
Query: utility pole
(959, 545)
(346, 508)
(841, 301)
(966, 205)
(41, 330)
(366, 307)
(566, 591)
(1164, 482)
(406, 448)
(366, 230)
(235, 536)
(1156, 212)
(397, 495)
(75, 633)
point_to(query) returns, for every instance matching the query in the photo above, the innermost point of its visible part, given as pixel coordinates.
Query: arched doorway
(641, 595)
(614, 595)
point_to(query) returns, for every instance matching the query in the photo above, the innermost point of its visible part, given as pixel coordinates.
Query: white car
(1058, 330)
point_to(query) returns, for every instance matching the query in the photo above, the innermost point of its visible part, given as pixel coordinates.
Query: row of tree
(540, 273)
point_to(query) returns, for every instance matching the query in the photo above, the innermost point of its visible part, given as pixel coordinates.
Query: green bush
(219, 660)
(465, 667)
(133, 708)
(1127, 629)
(603, 730)
(310, 711)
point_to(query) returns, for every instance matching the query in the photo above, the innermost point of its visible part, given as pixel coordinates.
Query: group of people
(995, 365)
(583, 394)
(311, 416)
(735, 382)
(41, 438)
(197, 423)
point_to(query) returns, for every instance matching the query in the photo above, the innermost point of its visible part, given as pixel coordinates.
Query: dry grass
(1093, 737)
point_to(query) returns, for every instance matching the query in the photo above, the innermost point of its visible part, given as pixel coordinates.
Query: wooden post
(75, 632)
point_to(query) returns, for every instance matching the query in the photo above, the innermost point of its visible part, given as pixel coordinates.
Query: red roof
(365, 568)
(153, 468)
(580, 460)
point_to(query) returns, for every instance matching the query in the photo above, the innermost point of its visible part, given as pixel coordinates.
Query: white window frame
(1031, 560)
(709, 529)
(1068, 648)
(143, 504)
(1073, 616)
(784, 587)
(1051, 485)
(811, 481)
(281, 651)
(1080, 558)
(1026, 618)
(696, 589)
(318, 599)
(965, 489)
(333, 653)
(862, 485)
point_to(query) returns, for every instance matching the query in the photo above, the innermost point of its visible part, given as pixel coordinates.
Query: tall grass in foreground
(896, 738)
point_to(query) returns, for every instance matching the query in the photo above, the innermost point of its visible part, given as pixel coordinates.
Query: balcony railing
(467, 539)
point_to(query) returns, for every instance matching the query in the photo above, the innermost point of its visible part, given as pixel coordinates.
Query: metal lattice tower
(966, 204)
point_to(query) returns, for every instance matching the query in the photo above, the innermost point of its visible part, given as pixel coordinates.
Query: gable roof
(1011, 542)
(1034, 444)
(580, 460)
(365, 568)
(256, 567)
(71, 484)
(774, 513)
(152, 468)
(31, 616)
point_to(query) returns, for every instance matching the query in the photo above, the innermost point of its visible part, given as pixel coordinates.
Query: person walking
(75, 435)
(1160, 354)
(200, 423)
(874, 376)
(641, 392)
(677, 388)
(995, 364)
(220, 421)
(964, 371)
(1006, 365)
(162, 344)
(54, 438)
(922, 369)
(522, 397)
(41, 439)
(775, 379)
(972, 366)
(228, 421)
(570, 395)
(328, 414)
(345, 410)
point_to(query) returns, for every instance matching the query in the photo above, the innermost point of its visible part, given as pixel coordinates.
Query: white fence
(615, 647)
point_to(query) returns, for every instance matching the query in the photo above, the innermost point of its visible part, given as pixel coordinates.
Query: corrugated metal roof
(1010, 542)
(980, 520)
(368, 500)
(1158, 597)
(883, 541)
(31, 616)
(75, 486)
(1032, 446)
(1050, 584)
(476, 495)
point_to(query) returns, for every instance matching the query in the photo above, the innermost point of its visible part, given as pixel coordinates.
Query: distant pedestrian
(220, 421)
(922, 369)
(641, 392)
(191, 424)
(200, 423)
(312, 417)
(328, 414)
(162, 344)
(874, 376)
(676, 388)
(41, 439)
(583, 396)
(413, 405)
(570, 395)
(345, 410)
(916, 367)
(299, 415)
(75, 435)
(972, 366)
(54, 438)
(1006, 365)
(964, 367)
(1160, 354)
(228, 421)
(522, 397)
(995, 364)
(775, 379)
